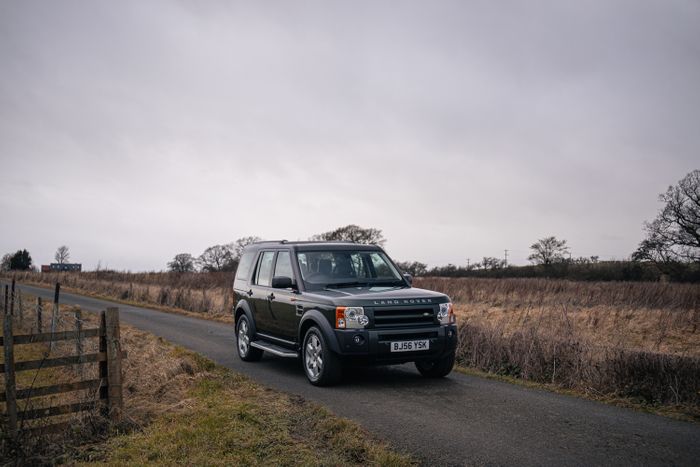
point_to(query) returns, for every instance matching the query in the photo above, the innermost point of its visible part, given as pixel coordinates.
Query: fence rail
(48, 337)
(56, 389)
(109, 358)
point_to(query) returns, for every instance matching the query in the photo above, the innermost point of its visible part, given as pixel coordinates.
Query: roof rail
(284, 242)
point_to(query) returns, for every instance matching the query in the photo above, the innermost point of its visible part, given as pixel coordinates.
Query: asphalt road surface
(458, 420)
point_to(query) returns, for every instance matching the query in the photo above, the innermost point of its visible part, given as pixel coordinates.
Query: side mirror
(408, 277)
(282, 282)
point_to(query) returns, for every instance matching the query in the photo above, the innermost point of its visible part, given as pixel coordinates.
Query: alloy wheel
(243, 339)
(313, 356)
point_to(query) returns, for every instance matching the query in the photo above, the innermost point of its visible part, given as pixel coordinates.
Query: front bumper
(375, 345)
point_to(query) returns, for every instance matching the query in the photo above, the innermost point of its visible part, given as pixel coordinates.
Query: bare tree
(6, 262)
(489, 262)
(62, 254)
(242, 243)
(218, 258)
(548, 250)
(675, 233)
(182, 262)
(353, 233)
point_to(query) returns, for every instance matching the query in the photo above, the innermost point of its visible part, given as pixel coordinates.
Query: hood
(377, 296)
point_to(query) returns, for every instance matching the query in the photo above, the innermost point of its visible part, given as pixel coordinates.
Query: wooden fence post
(19, 307)
(54, 313)
(79, 339)
(114, 364)
(12, 298)
(10, 388)
(104, 389)
(39, 327)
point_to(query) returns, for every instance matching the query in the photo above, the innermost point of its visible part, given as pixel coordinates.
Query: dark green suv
(333, 303)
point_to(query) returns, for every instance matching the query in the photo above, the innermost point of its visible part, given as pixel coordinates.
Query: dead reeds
(648, 377)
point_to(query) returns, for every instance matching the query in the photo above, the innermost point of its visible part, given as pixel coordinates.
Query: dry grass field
(632, 340)
(656, 317)
(638, 342)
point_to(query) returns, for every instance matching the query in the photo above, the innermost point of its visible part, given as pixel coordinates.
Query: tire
(243, 338)
(321, 365)
(436, 368)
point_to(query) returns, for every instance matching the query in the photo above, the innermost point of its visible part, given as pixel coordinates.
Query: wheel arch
(316, 318)
(243, 308)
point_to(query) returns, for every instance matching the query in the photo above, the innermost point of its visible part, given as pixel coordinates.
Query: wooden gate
(109, 383)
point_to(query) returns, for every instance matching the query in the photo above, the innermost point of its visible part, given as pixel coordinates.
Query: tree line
(670, 249)
(225, 257)
(21, 260)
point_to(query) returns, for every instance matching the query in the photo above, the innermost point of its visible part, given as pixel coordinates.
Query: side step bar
(274, 349)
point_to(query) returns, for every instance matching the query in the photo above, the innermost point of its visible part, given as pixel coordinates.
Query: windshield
(347, 268)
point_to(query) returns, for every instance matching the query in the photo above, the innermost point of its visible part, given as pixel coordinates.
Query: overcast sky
(132, 131)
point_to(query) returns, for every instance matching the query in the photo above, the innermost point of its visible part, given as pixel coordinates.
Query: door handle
(250, 292)
(271, 297)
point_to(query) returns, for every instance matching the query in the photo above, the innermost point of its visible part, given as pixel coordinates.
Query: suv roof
(314, 245)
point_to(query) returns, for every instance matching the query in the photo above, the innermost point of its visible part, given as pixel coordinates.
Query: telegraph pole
(506, 256)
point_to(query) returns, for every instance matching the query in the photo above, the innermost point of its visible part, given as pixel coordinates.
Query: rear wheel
(244, 336)
(321, 365)
(436, 368)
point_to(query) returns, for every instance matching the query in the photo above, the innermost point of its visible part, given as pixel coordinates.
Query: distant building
(53, 267)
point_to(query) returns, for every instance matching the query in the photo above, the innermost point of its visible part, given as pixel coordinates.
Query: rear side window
(283, 267)
(264, 276)
(244, 266)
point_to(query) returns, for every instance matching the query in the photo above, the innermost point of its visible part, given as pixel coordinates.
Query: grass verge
(231, 420)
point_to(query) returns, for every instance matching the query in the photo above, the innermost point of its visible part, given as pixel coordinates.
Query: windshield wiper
(387, 283)
(384, 283)
(339, 285)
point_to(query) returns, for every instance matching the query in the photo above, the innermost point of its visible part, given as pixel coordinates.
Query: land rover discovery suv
(335, 303)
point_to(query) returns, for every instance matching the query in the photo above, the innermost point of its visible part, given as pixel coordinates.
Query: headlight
(446, 315)
(350, 317)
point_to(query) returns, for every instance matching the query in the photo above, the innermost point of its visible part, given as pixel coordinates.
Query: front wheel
(244, 336)
(321, 365)
(436, 368)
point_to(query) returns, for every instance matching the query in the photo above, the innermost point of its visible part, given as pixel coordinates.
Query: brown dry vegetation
(635, 341)
(207, 294)
(613, 339)
(181, 408)
(656, 317)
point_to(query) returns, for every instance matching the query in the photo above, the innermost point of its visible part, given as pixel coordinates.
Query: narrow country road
(460, 420)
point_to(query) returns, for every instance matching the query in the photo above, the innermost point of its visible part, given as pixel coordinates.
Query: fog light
(358, 339)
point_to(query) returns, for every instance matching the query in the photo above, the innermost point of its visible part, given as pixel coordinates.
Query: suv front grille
(399, 317)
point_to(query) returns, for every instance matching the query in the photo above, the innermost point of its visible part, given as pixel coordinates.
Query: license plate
(410, 346)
